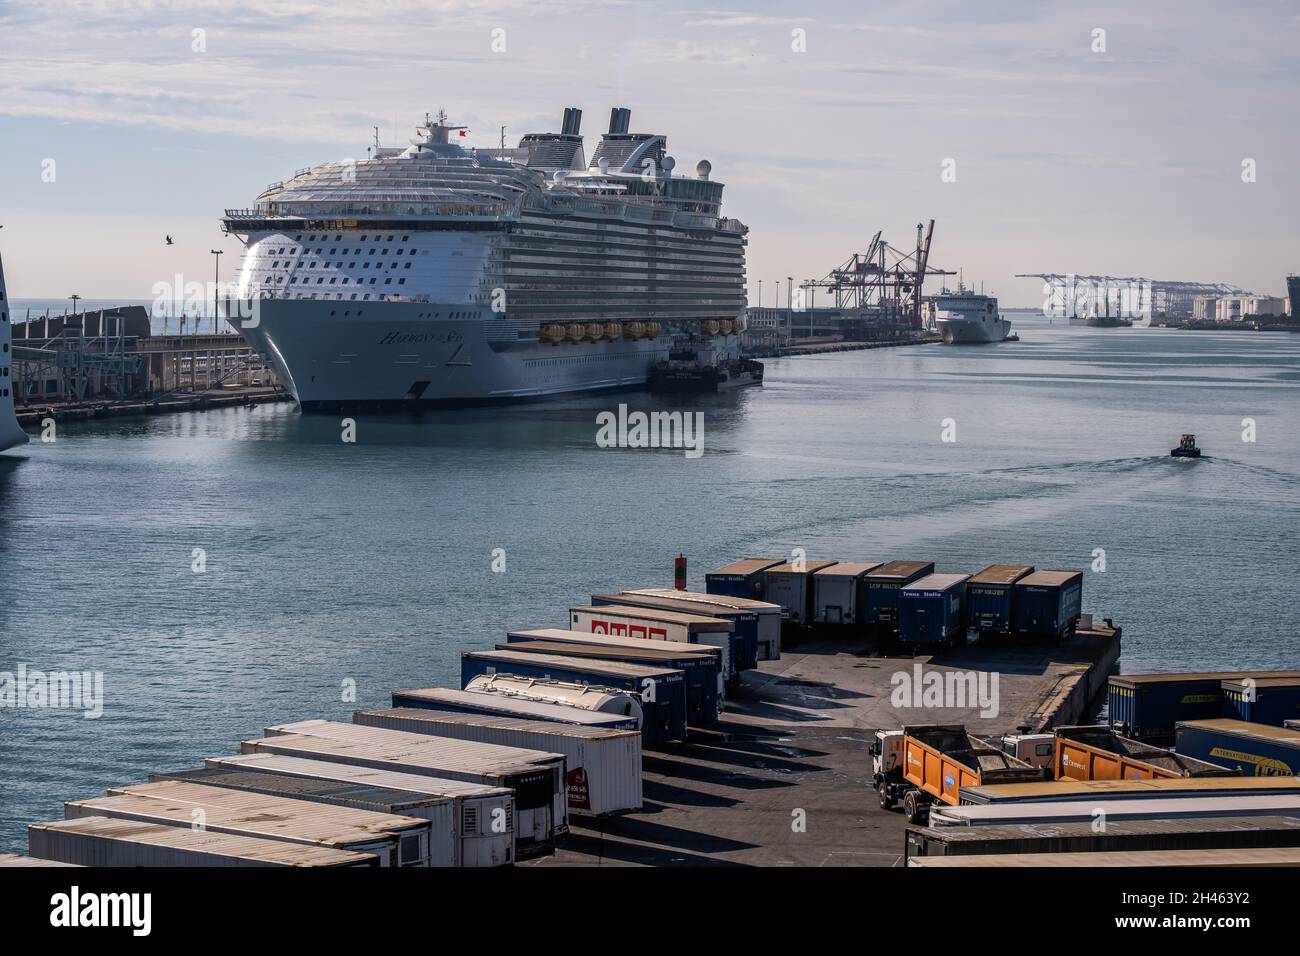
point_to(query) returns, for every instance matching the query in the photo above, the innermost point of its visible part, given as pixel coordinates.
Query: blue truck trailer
(1257, 750)
(1047, 604)
(744, 622)
(742, 578)
(1262, 701)
(662, 690)
(932, 610)
(882, 587)
(1148, 707)
(701, 664)
(989, 596)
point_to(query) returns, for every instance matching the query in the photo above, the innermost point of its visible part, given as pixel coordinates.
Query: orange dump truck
(1098, 753)
(928, 763)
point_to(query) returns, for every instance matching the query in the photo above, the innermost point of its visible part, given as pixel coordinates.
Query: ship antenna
(376, 129)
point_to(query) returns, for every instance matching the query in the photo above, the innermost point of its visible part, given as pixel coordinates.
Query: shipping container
(1159, 788)
(17, 860)
(646, 623)
(1047, 604)
(602, 767)
(537, 779)
(700, 664)
(1258, 750)
(1188, 833)
(588, 697)
(790, 586)
(989, 597)
(1272, 856)
(840, 594)
(932, 610)
(1085, 811)
(1097, 753)
(744, 622)
(468, 702)
(395, 840)
(883, 585)
(486, 812)
(767, 629)
(444, 813)
(742, 579)
(662, 691)
(1147, 706)
(1261, 701)
(104, 841)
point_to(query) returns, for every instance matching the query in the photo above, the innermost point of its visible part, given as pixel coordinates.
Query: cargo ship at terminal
(437, 274)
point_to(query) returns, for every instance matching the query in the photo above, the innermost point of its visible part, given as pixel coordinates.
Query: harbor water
(230, 569)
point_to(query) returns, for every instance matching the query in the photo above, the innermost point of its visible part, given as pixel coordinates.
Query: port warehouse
(354, 748)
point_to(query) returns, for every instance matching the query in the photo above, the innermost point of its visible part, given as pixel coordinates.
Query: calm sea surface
(371, 562)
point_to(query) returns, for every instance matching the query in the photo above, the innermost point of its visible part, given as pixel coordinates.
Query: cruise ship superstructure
(436, 273)
(11, 434)
(966, 317)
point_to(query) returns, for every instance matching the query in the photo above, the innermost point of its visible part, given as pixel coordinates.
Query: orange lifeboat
(574, 333)
(612, 330)
(652, 330)
(595, 331)
(552, 333)
(634, 330)
(710, 326)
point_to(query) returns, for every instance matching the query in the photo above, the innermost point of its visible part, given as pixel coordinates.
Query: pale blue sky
(1127, 161)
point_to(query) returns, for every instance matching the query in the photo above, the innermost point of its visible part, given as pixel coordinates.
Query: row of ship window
(275, 264)
(324, 236)
(335, 251)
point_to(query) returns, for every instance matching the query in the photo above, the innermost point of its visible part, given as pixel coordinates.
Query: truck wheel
(917, 812)
(886, 797)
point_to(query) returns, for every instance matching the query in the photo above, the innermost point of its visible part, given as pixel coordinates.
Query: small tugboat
(696, 370)
(1186, 448)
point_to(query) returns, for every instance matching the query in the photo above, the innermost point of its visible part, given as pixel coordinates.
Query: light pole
(216, 281)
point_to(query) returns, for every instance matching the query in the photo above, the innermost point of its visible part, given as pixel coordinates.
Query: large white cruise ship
(441, 274)
(11, 434)
(967, 318)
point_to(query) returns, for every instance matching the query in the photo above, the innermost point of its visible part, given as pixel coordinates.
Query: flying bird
(169, 241)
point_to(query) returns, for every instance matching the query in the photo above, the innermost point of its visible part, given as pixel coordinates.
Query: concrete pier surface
(31, 416)
(786, 779)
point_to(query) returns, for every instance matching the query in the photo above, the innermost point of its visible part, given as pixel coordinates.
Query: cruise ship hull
(973, 331)
(390, 356)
